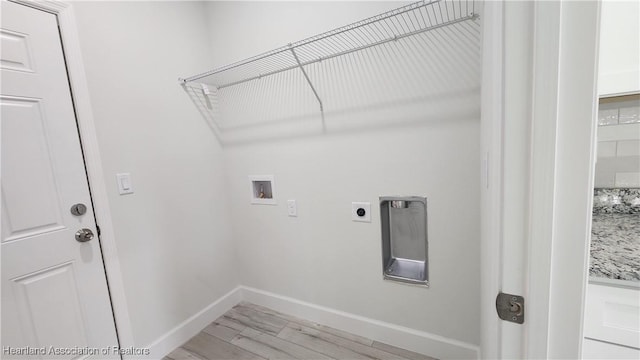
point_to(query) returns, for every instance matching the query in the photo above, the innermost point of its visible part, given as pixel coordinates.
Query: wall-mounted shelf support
(306, 76)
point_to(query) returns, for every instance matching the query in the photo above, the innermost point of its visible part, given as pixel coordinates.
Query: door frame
(64, 12)
(563, 79)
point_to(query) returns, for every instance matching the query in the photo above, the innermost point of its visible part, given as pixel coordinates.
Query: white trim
(541, 197)
(400, 336)
(565, 113)
(491, 190)
(56, 7)
(86, 125)
(575, 168)
(562, 164)
(194, 324)
(410, 339)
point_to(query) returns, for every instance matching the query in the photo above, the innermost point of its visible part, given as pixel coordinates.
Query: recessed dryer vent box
(262, 189)
(404, 239)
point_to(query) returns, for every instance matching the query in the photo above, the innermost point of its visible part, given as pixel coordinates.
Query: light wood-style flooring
(249, 331)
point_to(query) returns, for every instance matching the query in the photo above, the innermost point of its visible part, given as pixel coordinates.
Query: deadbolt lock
(79, 209)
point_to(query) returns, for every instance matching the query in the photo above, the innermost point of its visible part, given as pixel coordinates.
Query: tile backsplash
(618, 163)
(625, 111)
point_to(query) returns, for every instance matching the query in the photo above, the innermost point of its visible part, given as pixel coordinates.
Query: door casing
(552, 258)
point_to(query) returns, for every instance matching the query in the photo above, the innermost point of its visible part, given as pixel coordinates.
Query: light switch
(292, 208)
(124, 183)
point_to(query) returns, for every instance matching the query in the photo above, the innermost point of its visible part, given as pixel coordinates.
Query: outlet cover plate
(124, 183)
(292, 208)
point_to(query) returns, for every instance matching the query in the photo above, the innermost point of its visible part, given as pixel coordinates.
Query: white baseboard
(193, 325)
(400, 336)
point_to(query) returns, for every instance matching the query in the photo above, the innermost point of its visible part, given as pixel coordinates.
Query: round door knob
(84, 235)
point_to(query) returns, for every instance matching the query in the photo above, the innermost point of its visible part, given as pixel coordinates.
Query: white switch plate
(124, 183)
(361, 205)
(292, 208)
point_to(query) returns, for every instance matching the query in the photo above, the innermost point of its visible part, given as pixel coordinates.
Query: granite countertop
(615, 234)
(615, 246)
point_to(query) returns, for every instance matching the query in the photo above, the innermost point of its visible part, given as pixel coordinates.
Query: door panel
(50, 296)
(54, 289)
(27, 154)
(15, 51)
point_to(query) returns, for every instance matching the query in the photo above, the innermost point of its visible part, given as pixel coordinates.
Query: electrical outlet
(361, 211)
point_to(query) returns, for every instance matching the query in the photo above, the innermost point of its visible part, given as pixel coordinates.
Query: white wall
(321, 256)
(173, 234)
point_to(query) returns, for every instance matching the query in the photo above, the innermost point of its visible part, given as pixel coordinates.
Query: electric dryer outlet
(361, 211)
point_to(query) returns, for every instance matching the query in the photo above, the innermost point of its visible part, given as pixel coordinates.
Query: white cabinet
(612, 319)
(619, 65)
(594, 349)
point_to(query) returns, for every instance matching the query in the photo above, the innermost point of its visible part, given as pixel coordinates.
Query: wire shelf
(391, 26)
(422, 58)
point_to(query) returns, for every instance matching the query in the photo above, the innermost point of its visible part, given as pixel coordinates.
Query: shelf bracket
(304, 72)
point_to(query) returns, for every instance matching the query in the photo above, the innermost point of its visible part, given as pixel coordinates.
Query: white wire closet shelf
(390, 26)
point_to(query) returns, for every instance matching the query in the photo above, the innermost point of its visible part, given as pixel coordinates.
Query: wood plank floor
(249, 331)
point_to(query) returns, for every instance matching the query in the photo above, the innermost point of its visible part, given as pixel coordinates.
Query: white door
(54, 289)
